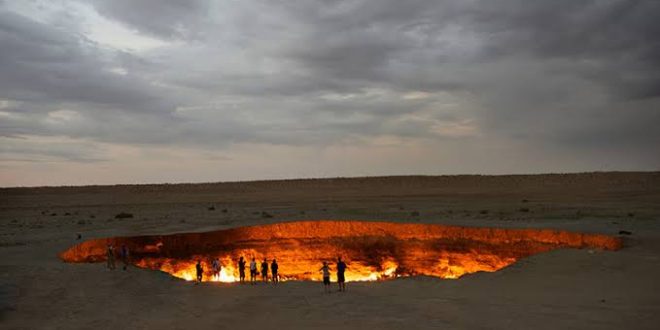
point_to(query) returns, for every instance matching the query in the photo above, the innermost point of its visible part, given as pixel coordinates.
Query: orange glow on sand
(372, 250)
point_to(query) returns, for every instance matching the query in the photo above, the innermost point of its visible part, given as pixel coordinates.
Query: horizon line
(324, 178)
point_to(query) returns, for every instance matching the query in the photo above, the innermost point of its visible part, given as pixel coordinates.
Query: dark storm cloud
(612, 43)
(170, 19)
(45, 64)
(571, 74)
(603, 41)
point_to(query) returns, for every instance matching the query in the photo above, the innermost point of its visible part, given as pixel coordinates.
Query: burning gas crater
(372, 250)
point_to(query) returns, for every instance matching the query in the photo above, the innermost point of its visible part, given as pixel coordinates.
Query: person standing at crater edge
(200, 271)
(326, 277)
(124, 256)
(241, 270)
(264, 270)
(111, 257)
(216, 268)
(273, 271)
(341, 280)
(253, 271)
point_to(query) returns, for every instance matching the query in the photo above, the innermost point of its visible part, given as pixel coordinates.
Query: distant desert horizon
(321, 178)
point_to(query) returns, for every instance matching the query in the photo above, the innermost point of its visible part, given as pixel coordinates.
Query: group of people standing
(341, 278)
(274, 267)
(123, 255)
(254, 274)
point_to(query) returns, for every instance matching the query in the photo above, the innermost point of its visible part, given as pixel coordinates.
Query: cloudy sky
(127, 91)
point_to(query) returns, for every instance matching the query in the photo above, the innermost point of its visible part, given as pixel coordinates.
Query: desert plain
(565, 288)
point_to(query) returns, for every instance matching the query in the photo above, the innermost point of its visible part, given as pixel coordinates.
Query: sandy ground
(569, 289)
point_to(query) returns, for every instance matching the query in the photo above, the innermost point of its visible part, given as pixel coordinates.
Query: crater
(372, 250)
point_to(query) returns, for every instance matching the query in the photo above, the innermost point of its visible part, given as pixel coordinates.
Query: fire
(185, 269)
(373, 250)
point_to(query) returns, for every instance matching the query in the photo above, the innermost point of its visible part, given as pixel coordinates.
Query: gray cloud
(170, 19)
(571, 76)
(49, 65)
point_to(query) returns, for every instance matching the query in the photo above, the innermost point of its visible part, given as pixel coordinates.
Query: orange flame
(372, 250)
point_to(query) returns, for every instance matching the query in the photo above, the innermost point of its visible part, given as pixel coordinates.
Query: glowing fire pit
(372, 250)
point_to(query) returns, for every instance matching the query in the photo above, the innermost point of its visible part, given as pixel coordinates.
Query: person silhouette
(241, 270)
(273, 271)
(216, 268)
(264, 271)
(326, 276)
(110, 257)
(341, 269)
(124, 256)
(253, 271)
(200, 271)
